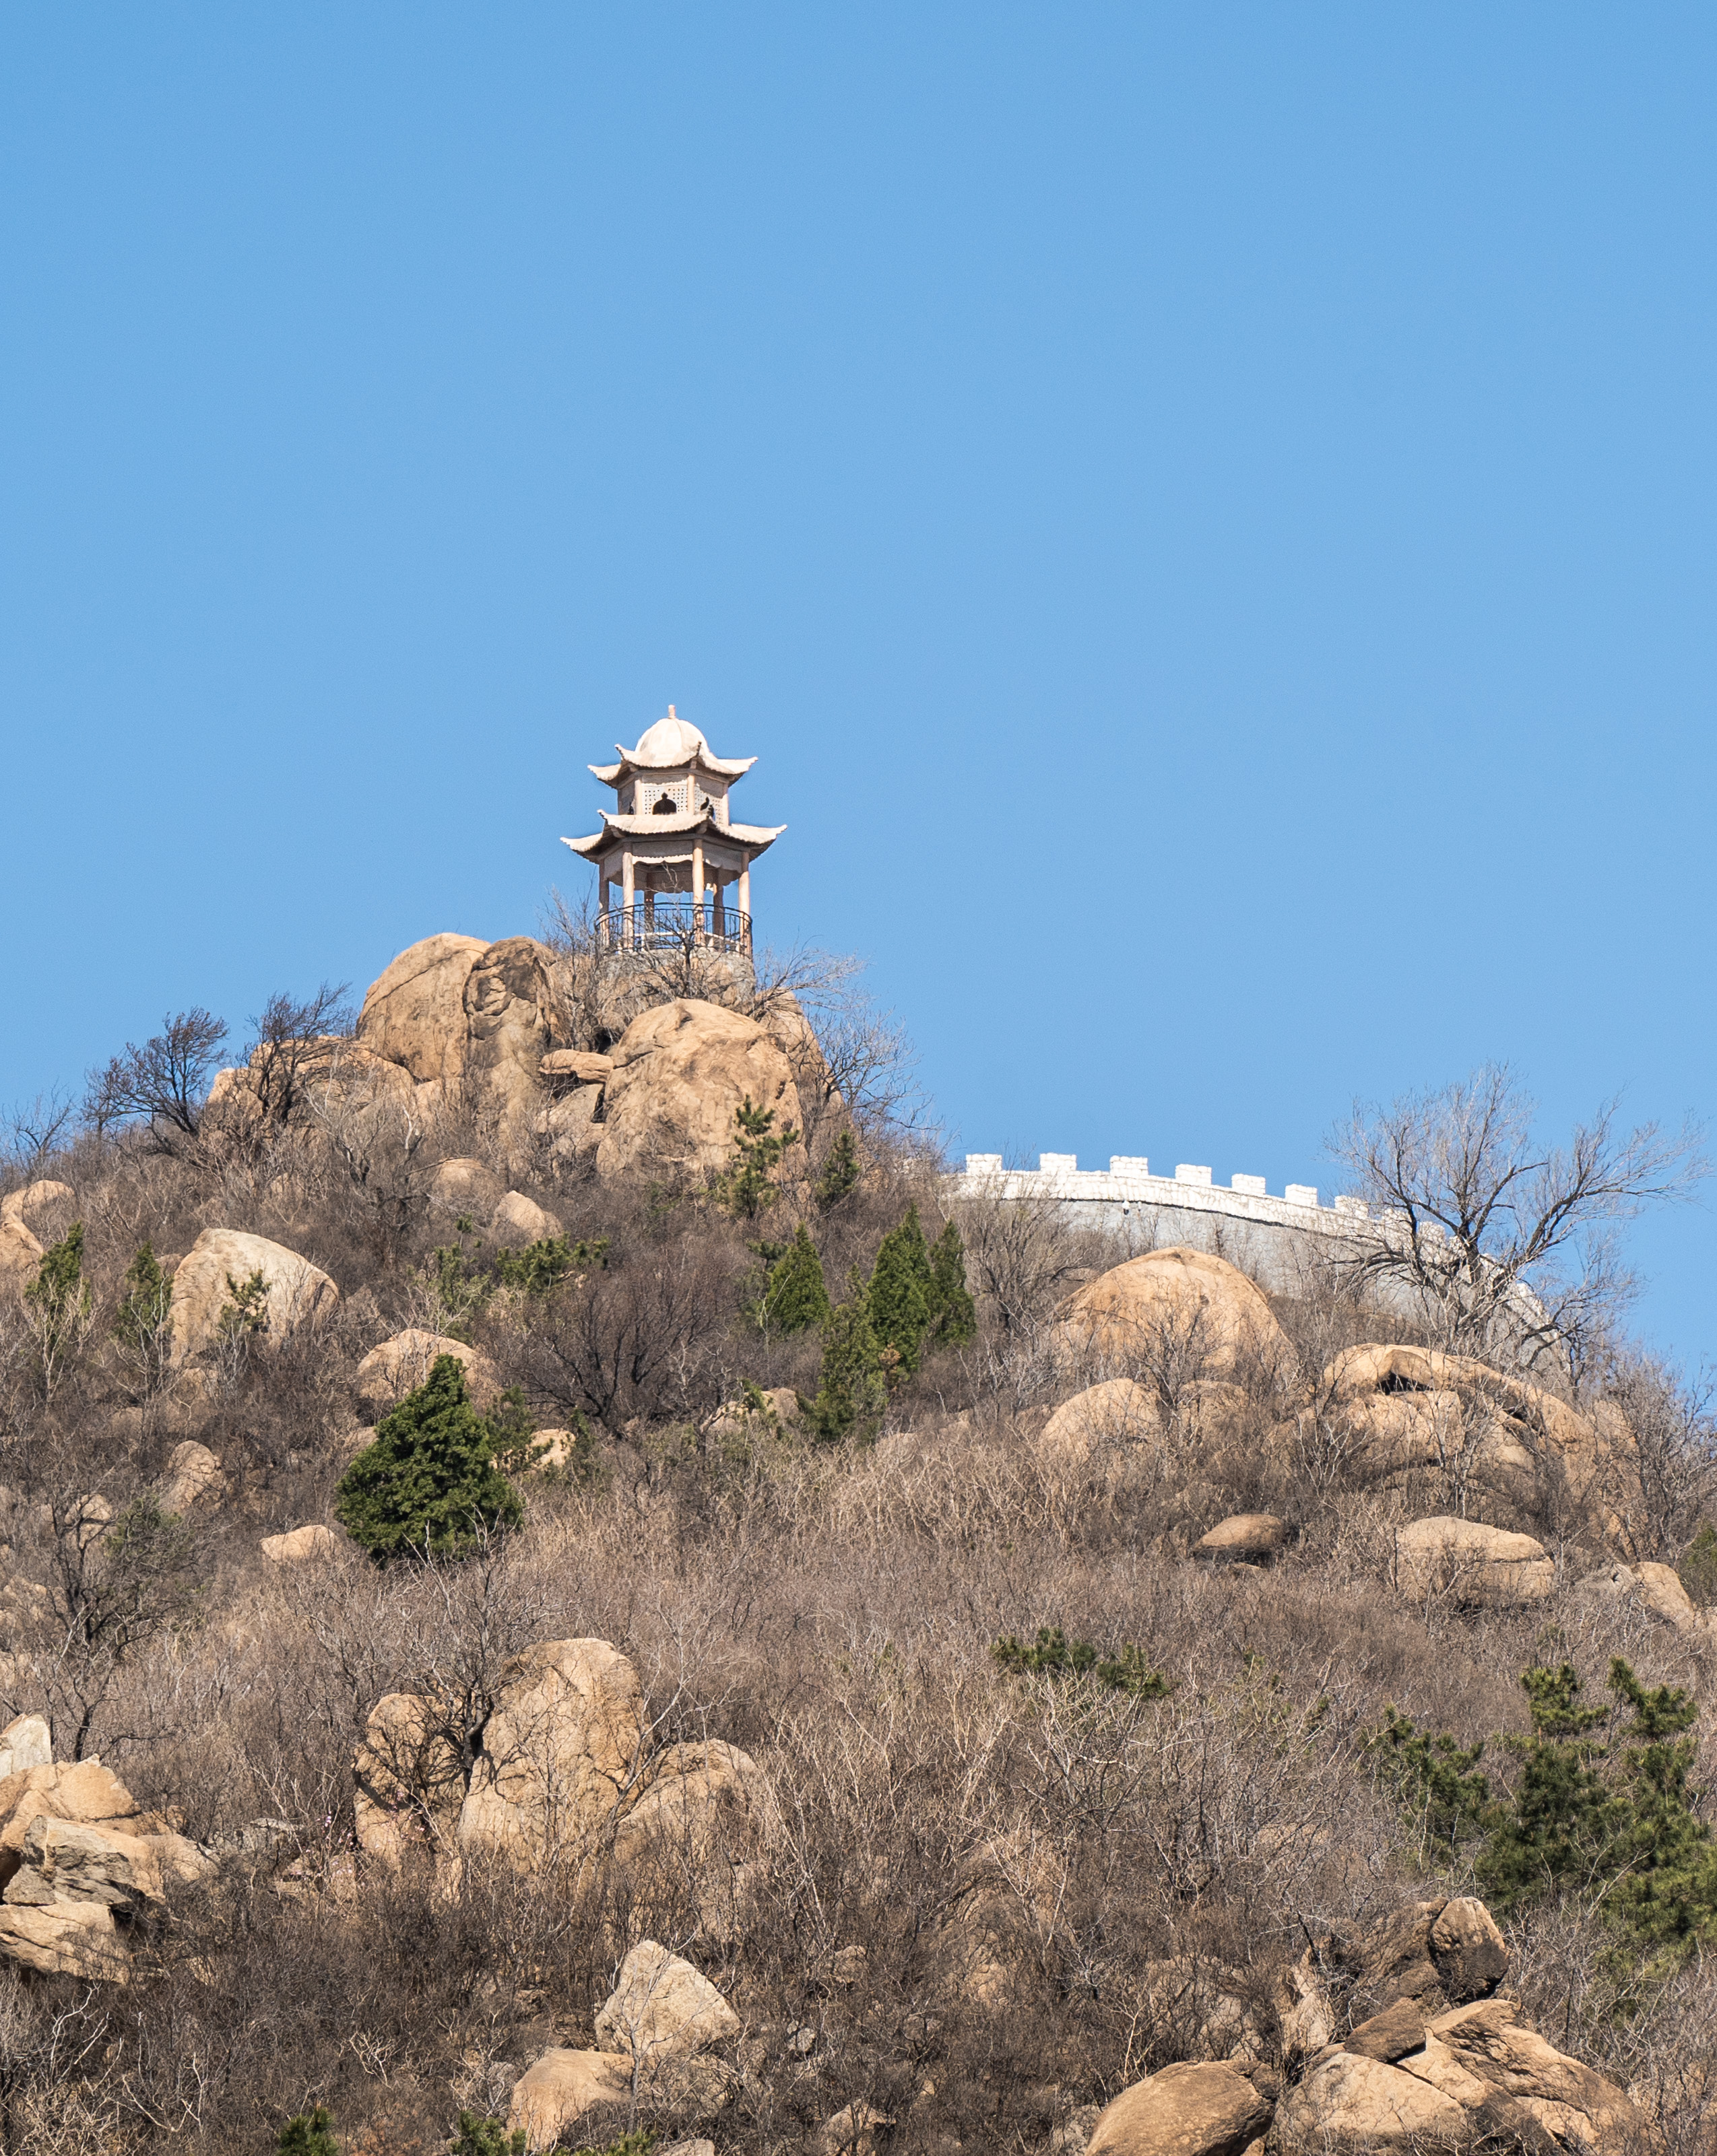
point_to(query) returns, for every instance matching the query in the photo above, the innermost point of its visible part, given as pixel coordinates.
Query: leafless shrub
(163, 1083)
(1509, 1246)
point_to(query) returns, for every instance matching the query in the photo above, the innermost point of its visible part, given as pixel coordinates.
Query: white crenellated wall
(1277, 1239)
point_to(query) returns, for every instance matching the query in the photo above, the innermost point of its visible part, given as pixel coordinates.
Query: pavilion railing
(674, 924)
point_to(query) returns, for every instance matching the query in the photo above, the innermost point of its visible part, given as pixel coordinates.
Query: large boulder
(466, 1186)
(65, 1939)
(1179, 1308)
(299, 1545)
(402, 1364)
(298, 1292)
(1418, 1407)
(192, 1471)
(562, 1742)
(410, 1785)
(471, 1019)
(1243, 1538)
(701, 1803)
(24, 1742)
(1348, 2101)
(518, 1220)
(1656, 1588)
(1105, 1419)
(1183, 2111)
(1572, 2103)
(1475, 1565)
(46, 1207)
(681, 1072)
(20, 1254)
(561, 2088)
(82, 1792)
(662, 2007)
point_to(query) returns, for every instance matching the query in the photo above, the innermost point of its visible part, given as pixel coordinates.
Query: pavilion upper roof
(671, 744)
(754, 838)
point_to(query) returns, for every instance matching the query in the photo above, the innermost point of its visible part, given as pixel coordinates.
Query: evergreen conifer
(427, 1484)
(852, 1394)
(902, 1291)
(795, 1296)
(311, 2134)
(749, 1188)
(840, 1172)
(953, 1320)
(140, 1325)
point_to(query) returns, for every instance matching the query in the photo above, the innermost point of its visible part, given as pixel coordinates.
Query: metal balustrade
(674, 924)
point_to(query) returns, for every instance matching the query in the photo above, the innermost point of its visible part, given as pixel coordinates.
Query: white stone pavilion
(670, 846)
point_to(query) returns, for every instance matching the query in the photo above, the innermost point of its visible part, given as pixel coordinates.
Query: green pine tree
(1666, 1863)
(485, 2136)
(840, 1172)
(428, 1483)
(141, 1325)
(747, 1187)
(58, 1304)
(514, 1428)
(1699, 1567)
(851, 1391)
(1562, 1817)
(902, 1291)
(795, 1296)
(311, 2134)
(953, 1320)
(1435, 1780)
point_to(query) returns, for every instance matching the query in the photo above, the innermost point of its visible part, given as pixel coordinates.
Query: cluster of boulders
(81, 1862)
(1398, 2040)
(1201, 1347)
(563, 1776)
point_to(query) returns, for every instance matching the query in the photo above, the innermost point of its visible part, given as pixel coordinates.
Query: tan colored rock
(1103, 1418)
(1480, 1566)
(299, 1293)
(702, 1803)
(1206, 1310)
(1182, 2111)
(1347, 2102)
(402, 1364)
(570, 1125)
(1572, 2102)
(681, 1071)
(1249, 1537)
(65, 1861)
(40, 1207)
(1389, 2035)
(561, 2088)
(66, 1938)
(82, 1792)
(518, 1220)
(1515, 1426)
(1470, 1954)
(192, 1471)
(299, 1545)
(414, 1014)
(662, 2007)
(560, 1746)
(24, 1744)
(575, 1065)
(734, 1418)
(20, 1254)
(410, 1784)
(467, 1187)
(856, 2129)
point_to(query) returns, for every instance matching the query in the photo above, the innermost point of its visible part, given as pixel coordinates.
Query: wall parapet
(1127, 1182)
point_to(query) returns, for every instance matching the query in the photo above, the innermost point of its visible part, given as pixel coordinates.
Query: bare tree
(35, 1129)
(295, 1044)
(164, 1083)
(1509, 1245)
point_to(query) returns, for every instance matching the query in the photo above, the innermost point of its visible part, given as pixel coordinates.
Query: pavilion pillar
(697, 886)
(717, 924)
(745, 897)
(629, 888)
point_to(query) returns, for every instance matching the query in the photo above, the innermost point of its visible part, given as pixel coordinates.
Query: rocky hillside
(552, 1589)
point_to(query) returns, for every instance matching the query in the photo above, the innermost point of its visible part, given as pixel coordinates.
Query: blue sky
(1204, 515)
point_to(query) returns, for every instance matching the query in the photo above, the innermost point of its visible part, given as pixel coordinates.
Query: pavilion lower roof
(752, 838)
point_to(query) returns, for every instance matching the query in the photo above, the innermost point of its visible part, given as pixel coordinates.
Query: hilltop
(558, 1568)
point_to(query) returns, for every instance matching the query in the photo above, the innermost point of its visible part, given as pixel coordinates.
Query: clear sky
(1205, 515)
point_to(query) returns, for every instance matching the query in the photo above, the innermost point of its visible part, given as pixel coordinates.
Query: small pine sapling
(58, 1306)
(852, 1394)
(541, 1266)
(747, 1187)
(1052, 1654)
(953, 1320)
(485, 2136)
(310, 2133)
(427, 1485)
(142, 1324)
(515, 1430)
(1699, 1567)
(244, 1316)
(795, 1296)
(840, 1172)
(900, 1296)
